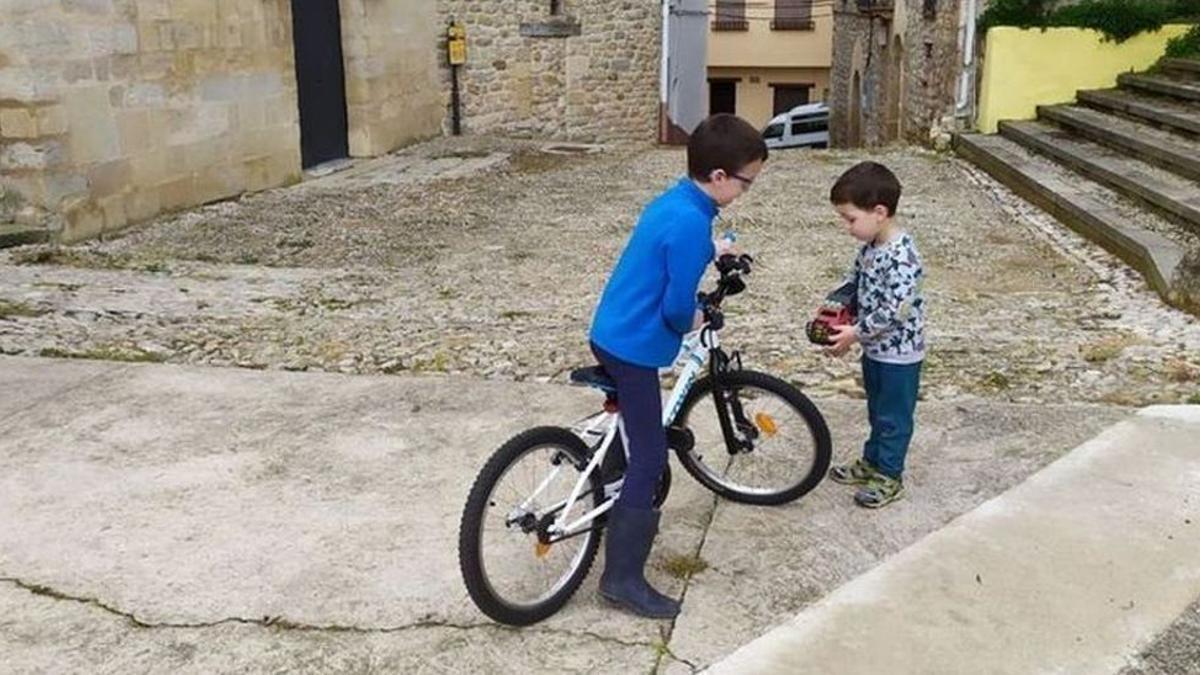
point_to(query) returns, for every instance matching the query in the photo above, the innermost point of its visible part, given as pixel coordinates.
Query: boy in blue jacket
(648, 305)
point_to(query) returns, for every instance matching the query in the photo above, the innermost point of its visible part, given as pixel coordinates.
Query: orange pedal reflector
(541, 550)
(766, 424)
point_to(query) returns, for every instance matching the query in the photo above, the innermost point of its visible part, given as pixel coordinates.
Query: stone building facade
(896, 70)
(394, 95)
(584, 70)
(113, 111)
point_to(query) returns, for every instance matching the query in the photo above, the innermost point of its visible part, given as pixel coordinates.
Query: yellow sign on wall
(456, 44)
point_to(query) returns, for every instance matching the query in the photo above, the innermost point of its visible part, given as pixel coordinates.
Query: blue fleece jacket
(650, 300)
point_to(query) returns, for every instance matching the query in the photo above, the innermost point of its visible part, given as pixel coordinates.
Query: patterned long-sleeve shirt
(891, 308)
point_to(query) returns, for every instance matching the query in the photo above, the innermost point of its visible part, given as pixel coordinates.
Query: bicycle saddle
(594, 376)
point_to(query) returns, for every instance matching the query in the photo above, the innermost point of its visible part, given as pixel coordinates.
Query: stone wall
(394, 92)
(589, 73)
(112, 111)
(907, 63)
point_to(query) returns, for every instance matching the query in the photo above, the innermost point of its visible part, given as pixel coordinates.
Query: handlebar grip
(716, 320)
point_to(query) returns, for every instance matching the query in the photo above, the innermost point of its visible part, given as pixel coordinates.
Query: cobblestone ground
(486, 258)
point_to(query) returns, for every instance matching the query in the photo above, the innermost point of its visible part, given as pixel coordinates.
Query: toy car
(839, 309)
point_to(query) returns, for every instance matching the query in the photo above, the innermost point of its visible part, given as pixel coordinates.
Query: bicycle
(581, 468)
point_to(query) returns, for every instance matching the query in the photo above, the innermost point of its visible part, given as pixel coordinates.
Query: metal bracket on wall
(558, 27)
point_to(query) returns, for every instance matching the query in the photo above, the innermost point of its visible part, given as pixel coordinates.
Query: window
(773, 131)
(788, 96)
(731, 15)
(810, 124)
(793, 15)
(722, 96)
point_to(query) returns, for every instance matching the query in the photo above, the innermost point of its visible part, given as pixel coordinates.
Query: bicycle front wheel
(514, 569)
(780, 448)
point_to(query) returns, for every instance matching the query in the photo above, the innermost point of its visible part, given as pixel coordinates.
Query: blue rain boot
(630, 535)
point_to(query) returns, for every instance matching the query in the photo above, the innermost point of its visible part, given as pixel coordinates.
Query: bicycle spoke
(518, 568)
(783, 447)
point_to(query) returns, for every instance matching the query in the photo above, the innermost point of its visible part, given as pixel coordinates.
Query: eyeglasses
(745, 181)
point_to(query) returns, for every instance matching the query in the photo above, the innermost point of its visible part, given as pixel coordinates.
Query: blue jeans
(640, 397)
(891, 402)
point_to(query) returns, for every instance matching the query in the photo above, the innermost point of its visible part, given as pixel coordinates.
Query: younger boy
(890, 326)
(648, 305)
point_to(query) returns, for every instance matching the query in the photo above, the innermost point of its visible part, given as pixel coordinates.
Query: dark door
(788, 96)
(321, 83)
(722, 96)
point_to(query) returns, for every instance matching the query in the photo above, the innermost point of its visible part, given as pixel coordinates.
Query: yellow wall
(1023, 69)
(762, 47)
(755, 99)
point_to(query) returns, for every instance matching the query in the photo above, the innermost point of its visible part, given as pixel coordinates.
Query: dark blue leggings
(640, 398)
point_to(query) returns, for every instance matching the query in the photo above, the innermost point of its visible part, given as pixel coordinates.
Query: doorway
(320, 81)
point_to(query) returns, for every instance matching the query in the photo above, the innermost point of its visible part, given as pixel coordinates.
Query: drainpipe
(964, 107)
(664, 70)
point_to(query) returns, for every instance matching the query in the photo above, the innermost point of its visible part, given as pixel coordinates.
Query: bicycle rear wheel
(781, 447)
(513, 571)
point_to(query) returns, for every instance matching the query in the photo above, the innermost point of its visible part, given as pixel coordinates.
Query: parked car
(805, 126)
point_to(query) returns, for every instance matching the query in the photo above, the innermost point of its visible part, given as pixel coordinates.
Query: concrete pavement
(196, 519)
(1073, 571)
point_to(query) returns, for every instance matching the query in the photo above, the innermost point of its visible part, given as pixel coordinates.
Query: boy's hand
(844, 337)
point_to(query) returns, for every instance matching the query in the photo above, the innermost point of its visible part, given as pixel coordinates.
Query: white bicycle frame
(605, 426)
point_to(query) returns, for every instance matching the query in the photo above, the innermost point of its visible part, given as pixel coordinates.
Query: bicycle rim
(518, 571)
(786, 452)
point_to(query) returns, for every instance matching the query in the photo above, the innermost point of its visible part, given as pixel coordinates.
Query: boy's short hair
(726, 142)
(867, 185)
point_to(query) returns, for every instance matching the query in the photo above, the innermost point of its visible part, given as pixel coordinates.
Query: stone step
(1189, 68)
(1160, 85)
(1091, 210)
(1169, 193)
(12, 234)
(1166, 112)
(1170, 151)
(1074, 570)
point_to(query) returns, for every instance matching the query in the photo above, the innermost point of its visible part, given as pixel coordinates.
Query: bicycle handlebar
(731, 268)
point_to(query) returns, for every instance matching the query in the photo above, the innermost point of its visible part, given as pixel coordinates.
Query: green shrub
(1019, 13)
(1186, 45)
(1119, 20)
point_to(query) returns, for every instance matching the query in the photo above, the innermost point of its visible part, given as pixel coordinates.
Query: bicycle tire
(471, 528)
(740, 379)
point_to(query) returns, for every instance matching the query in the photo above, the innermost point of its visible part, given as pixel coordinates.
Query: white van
(805, 126)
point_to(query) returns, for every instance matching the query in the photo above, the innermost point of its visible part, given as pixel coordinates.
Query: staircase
(1120, 166)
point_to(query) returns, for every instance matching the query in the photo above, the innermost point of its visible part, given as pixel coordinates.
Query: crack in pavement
(281, 623)
(687, 583)
(671, 655)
